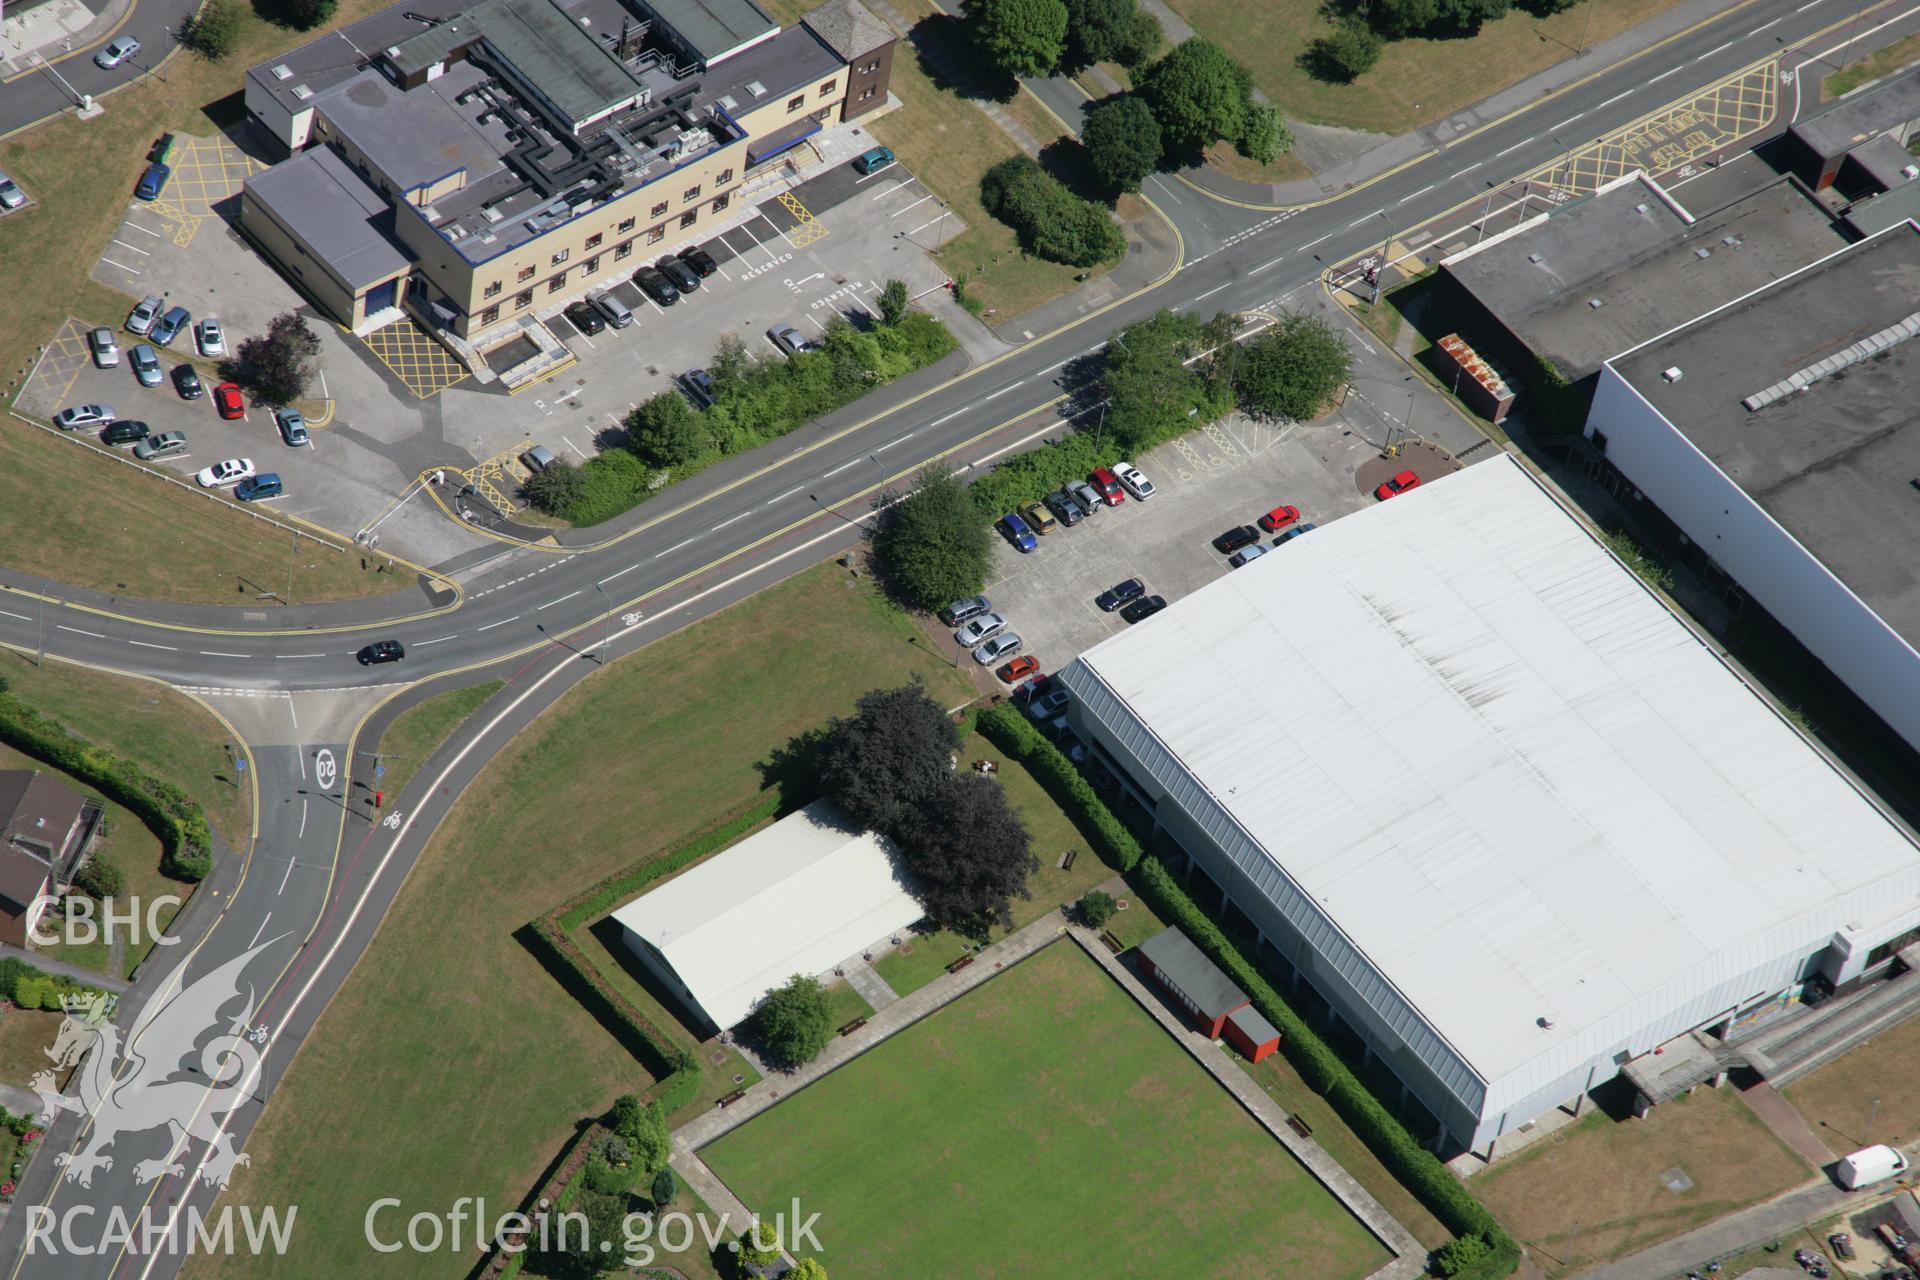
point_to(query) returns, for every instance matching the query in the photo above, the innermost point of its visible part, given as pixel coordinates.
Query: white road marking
(915, 205)
(278, 657)
(1618, 97)
(288, 873)
(923, 226)
(1515, 147)
(24, 618)
(1669, 71)
(1422, 191)
(1810, 3)
(145, 253)
(729, 520)
(123, 266)
(1357, 221)
(1469, 169)
(61, 626)
(629, 569)
(1263, 266)
(421, 644)
(889, 444)
(1002, 391)
(134, 226)
(1209, 293)
(144, 645)
(263, 925)
(842, 467)
(1763, 26)
(562, 600)
(937, 421)
(503, 622)
(675, 547)
(1564, 123)
(1716, 49)
(776, 498)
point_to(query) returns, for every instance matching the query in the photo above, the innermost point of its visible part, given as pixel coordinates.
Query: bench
(1300, 1126)
(853, 1026)
(959, 964)
(1113, 943)
(732, 1098)
(1066, 859)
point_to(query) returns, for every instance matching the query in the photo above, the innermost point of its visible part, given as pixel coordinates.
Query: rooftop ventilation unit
(1846, 358)
(301, 92)
(1911, 172)
(1641, 207)
(282, 71)
(1672, 374)
(1732, 242)
(393, 51)
(1703, 253)
(757, 89)
(730, 102)
(1595, 303)
(1535, 259)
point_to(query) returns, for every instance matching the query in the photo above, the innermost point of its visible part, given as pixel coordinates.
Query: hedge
(170, 813)
(1009, 729)
(31, 988)
(621, 884)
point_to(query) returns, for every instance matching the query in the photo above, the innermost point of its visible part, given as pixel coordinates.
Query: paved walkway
(872, 987)
(1787, 1124)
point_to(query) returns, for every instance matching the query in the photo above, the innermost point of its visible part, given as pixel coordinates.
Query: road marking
(889, 444)
(836, 471)
(61, 626)
(288, 874)
(1618, 97)
(562, 600)
(675, 547)
(279, 657)
(123, 266)
(134, 226)
(1763, 26)
(145, 645)
(1716, 49)
(1422, 191)
(263, 926)
(1276, 262)
(24, 618)
(421, 644)
(215, 653)
(1357, 221)
(503, 622)
(1670, 70)
(937, 421)
(1564, 123)
(915, 205)
(1515, 147)
(300, 757)
(1309, 244)
(1803, 8)
(1002, 391)
(1209, 293)
(629, 569)
(775, 498)
(145, 253)
(1469, 169)
(724, 523)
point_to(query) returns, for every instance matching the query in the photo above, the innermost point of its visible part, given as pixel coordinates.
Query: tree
(1265, 136)
(569, 1251)
(1151, 389)
(893, 754)
(807, 1269)
(665, 431)
(932, 544)
(1096, 908)
(1347, 54)
(893, 302)
(1097, 30)
(665, 1187)
(556, 489)
(1052, 222)
(1198, 94)
(1140, 42)
(278, 364)
(1020, 37)
(642, 1128)
(301, 15)
(1459, 1254)
(100, 878)
(968, 854)
(1291, 368)
(1123, 141)
(794, 1022)
(215, 30)
(761, 1244)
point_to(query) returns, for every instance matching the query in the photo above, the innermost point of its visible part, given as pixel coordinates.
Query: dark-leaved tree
(969, 855)
(932, 544)
(1347, 54)
(665, 431)
(794, 1022)
(1097, 30)
(889, 757)
(1123, 142)
(278, 364)
(1199, 95)
(555, 490)
(1290, 369)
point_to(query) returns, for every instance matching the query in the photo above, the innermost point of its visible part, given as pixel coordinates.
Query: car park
(227, 399)
(1048, 705)
(538, 459)
(115, 52)
(84, 415)
(1107, 485)
(146, 365)
(254, 488)
(656, 286)
(163, 445)
(1234, 539)
(1279, 518)
(226, 472)
(125, 431)
(186, 381)
(617, 313)
(1019, 669)
(1142, 609)
(106, 353)
(965, 610)
(293, 427)
(1120, 593)
(1085, 494)
(700, 260)
(978, 629)
(168, 326)
(11, 196)
(997, 648)
(1306, 527)
(145, 312)
(1245, 556)
(381, 651)
(1038, 518)
(210, 338)
(1064, 507)
(699, 385)
(153, 181)
(1132, 481)
(789, 340)
(1398, 485)
(684, 277)
(1015, 530)
(586, 318)
(873, 161)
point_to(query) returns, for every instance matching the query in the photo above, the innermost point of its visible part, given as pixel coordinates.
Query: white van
(1864, 1168)
(614, 310)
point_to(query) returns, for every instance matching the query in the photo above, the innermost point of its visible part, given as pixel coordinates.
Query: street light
(606, 622)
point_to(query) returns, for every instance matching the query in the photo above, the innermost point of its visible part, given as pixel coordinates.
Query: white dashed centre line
(562, 600)
(503, 622)
(61, 626)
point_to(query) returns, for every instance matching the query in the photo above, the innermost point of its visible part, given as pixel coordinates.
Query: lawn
(25, 1036)
(417, 732)
(1594, 1191)
(1874, 1083)
(452, 1063)
(1876, 64)
(1042, 1125)
(1415, 81)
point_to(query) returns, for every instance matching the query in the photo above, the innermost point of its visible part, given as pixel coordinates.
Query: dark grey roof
(848, 27)
(414, 137)
(1253, 1025)
(794, 59)
(335, 214)
(714, 28)
(38, 815)
(339, 55)
(1198, 978)
(552, 52)
(1649, 269)
(1852, 120)
(1884, 160)
(1833, 464)
(1876, 214)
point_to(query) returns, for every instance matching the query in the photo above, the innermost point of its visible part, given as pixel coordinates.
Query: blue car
(1017, 533)
(1295, 532)
(153, 181)
(254, 488)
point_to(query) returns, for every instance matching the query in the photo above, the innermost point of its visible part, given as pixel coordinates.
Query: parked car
(538, 459)
(1245, 556)
(616, 312)
(146, 365)
(684, 277)
(1279, 518)
(656, 286)
(978, 629)
(254, 488)
(145, 312)
(293, 427)
(1038, 518)
(228, 400)
(1141, 610)
(106, 353)
(699, 384)
(186, 380)
(211, 338)
(168, 326)
(1120, 593)
(1085, 494)
(1234, 539)
(11, 196)
(1398, 485)
(873, 161)
(1131, 479)
(997, 648)
(1048, 705)
(1308, 527)
(84, 415)
(584, 317)
(115, 52)
(1015, 530)
(125, 431)
(789, 340)
(226, 472)
(1019, 669)
(1034, 688)
(1064, 507)
(700, 260)
(153, 181)
(1107, 485)
(160, 446)
(381, 651)
(965, 610)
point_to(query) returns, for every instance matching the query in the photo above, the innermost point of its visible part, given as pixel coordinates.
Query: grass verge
(1876, 64)
(1867, 1095)
(417, 732)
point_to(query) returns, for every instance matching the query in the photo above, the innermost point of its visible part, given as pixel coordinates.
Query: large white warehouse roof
(1513, 780)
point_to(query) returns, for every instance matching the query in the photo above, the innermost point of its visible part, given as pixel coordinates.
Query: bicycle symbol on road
(631, 619)
(259, 1034)
(391, 821)
(1786, 77)
(324, 769)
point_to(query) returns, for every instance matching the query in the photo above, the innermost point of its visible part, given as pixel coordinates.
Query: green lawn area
(1416, 80)
(452, 1063)
(25, 1036)
(417, 732)
(1876, 64)
(844, 1004)
(1042, 1125)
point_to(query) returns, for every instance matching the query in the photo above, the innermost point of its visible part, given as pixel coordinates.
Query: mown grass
(1876, 64)
(418, 732)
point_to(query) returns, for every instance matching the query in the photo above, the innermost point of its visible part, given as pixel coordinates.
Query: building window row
(561, 256)
(590, 266)
(493, 289)
(523, 299)
(626, 225)
(870, 68)
(826, 90)
(490, 315)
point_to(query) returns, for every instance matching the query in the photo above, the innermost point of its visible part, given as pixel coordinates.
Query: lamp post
(606, 622)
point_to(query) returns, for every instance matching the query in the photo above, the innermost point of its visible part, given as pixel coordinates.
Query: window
(590, 266)
(688, 218)
(558, 283)
(720, 202)
(623, 250)
(523, 299)
(691, 193)
(826, 90)
(490, 315)
(526, 273)
(593, 241)
(871, 67)
(561, 256)
(726, 176)
(660, 208)
(626, 224)
(796, 102)
(493, 289)
(656, 234)
(868, 93)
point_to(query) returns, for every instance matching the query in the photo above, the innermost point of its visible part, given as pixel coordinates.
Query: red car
(1398, 485)
(1019, 669)
(227, 399)
(1279, 518)
(1107, 485)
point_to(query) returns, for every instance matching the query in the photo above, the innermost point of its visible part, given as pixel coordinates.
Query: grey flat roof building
(714, 28)
(1184, 966)
(1855, 118)
(1876, 213)
(331, 209)
(418, 137)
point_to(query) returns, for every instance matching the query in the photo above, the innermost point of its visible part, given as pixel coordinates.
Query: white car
(979, 629)
(1132, 481)
(997, 648)
(229, 471)
(213, 342)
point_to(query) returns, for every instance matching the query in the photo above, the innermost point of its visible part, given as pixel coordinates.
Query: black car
(1141, 610)
(187, 382)
(1234, 539)
(125, 432)
(683, 276)
(586, 318)
(381, 651)
(1064, 508)
(700, 260)
(1124, 593)
(656, 286)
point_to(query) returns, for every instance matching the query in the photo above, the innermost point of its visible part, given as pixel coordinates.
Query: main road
(300, 902)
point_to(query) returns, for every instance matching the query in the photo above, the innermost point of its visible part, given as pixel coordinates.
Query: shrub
(1051, 221)
(100, 878)
(557, 490)
(794, 1022)
(665, 1187)
(893, 301)
(665, 431)
(1347, 54)
(1096, 908)
(1460, 1255)
(1123, 142)
(1264, 137)
(215, 30)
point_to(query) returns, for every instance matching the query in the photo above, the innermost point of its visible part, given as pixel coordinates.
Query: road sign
(324, 769)
(379, 770)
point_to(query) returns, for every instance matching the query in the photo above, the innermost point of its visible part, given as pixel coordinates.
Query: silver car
(115, 52)
(997, 648)
(212, 340)
(145, 312)
(84, 415)
(979, 629)
(11, 196)
(160, 446)
(146, 365)
(790, 340)
(106, 354)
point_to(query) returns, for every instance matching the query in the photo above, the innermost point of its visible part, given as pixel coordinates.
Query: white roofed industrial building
(797, 897)
(1505, 812)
